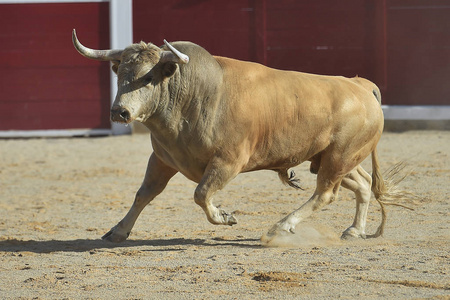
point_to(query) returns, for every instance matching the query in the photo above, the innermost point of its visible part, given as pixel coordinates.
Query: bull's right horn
(174, 55)
(107, 55)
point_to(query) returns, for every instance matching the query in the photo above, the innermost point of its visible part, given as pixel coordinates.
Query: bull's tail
(386, 191)
(376, 92)
(288, 178)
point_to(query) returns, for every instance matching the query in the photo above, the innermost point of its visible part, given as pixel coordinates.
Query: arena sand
(59, 196)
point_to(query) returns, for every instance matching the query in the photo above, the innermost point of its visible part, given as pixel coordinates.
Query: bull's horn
(95, 54)
(179, 57)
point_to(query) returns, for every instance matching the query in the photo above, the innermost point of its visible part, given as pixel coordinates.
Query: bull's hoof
(114, 237)
(276, 231)
(352, 233)
(228, 219)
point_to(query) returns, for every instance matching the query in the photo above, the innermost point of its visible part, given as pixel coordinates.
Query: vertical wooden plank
(121, 36)
(260, 31)
(380, 35)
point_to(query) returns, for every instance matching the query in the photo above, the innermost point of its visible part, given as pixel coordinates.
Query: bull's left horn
(95, 54)
(181, 57)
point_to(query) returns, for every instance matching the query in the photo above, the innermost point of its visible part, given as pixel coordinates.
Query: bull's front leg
(156, 178)
(216, 176)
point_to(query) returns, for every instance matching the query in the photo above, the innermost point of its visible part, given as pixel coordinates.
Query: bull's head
(141, 70)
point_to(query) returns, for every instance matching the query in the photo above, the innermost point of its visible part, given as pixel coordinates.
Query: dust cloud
(305, 235)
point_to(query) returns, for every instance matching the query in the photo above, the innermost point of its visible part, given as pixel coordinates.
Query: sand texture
(59, 196)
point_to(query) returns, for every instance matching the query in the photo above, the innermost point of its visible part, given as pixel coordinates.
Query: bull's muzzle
(120, 114)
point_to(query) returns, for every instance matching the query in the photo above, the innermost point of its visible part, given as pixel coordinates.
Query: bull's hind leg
(328, 184)
(155, 180)
(359, 182)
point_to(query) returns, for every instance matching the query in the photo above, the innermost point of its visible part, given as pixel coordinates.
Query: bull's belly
(276, 162)
(287, 151)
(279, 153)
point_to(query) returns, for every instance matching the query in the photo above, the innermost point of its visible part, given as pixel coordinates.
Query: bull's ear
(169, 69)
(115, 66)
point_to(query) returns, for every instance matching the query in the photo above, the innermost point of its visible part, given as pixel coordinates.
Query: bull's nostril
(120, 114)
(124, 114)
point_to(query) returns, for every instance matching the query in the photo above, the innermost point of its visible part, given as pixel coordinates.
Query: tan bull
(212, 118)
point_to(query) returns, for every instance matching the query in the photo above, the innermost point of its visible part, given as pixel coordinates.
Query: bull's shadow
(83, 245)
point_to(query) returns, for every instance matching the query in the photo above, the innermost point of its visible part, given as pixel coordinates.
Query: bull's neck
(189, 102)
(165, 121)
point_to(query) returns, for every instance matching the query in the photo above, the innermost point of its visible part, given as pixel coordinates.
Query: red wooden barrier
(45, 83)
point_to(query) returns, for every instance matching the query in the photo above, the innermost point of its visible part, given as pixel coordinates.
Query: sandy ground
(59, 196)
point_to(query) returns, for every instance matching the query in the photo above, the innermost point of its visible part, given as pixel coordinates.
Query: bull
(212, 118)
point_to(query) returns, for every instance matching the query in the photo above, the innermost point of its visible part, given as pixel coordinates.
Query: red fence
(402, 45)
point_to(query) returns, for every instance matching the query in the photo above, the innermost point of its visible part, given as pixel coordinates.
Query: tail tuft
(394, 176)
(386, 191)
(289, 178)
